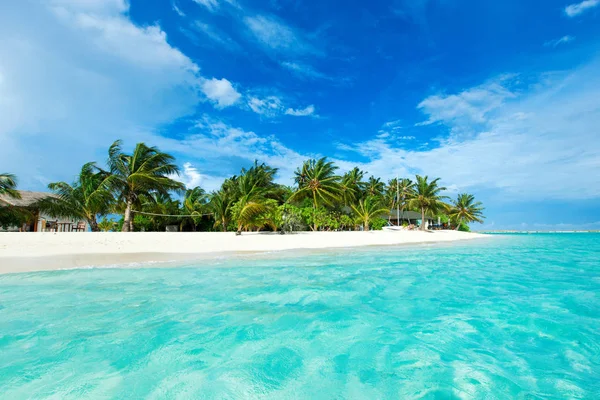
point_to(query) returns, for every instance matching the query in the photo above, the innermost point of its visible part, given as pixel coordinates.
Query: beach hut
(38, 221)
(409, 217)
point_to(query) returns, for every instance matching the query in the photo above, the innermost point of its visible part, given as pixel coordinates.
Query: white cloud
(395, 124)
(272, 106)
(213, 34)
(578, 8)
(544, 144)
(304, 70)
(275, 35)
(94, 6)
(210, 4)
(177, 9)
(77, 75)
(303, 112)
(189, 176)
(224, 148)
(563, 40)
(220, 91)
(472, 105)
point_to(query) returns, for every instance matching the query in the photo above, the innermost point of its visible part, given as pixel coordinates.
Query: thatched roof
(27, 198)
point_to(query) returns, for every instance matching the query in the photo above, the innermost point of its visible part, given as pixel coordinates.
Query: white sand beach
(22, 252)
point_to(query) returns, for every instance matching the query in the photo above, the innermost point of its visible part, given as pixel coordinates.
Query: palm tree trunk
(127, 223)
(224, 225)
(422, 219)
(314, 212)
(93, 224)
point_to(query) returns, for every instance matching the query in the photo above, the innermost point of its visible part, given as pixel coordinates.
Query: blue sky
(501, 99)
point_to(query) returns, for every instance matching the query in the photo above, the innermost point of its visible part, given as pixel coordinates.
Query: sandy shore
(20, 252)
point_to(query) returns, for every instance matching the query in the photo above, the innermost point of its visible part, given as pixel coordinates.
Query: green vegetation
(88, 198)
(465, 210)
(369, 209)
(10, 216)
(8, 185)
(133, 176)
(143, 188)
(316, 179)
(427, 198)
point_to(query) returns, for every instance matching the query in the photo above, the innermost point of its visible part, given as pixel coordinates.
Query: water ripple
(513, 318)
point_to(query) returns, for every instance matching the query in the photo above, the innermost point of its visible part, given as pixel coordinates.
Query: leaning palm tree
(144, 171)
(220, 205)
(352, 185)
(368, 209)
(427, 198)
(253, 200)
(88, 198)
(465, 210)
(317, 180)
(8, 185)
(194, 203)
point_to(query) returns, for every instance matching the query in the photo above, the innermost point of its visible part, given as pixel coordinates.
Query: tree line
(141, 186)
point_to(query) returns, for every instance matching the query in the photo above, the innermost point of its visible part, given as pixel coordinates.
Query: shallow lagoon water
(514, 316)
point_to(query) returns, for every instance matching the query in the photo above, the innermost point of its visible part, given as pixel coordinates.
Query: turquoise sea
(510, 317)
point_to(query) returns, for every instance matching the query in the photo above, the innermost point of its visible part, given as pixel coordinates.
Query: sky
(498, 98)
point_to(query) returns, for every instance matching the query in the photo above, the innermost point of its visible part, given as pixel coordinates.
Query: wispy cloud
(273, 106)
(217, 5)
(303, 112)
(393, 125)
(221, 92)
(221, 39)
(210, 4)
(304, 70)
(177, 9)
(575, 9)
(556, 42)
(270, 106)
(473, 104)
(275, 35)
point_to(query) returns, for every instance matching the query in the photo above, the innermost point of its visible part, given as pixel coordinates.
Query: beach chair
(78, 227)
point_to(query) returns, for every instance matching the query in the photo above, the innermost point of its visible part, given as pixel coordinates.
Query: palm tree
(194, 203)
(405, 191)
(144, 171)
(369, 208)
(427, 198)
(255, 188)
(375, 187)
(8, 185)
(465, 210)
(352, 185)
(11, 216)
(317, 180)
(220, 206)
(86, 199)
